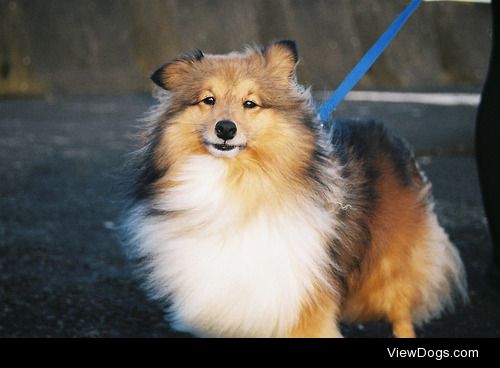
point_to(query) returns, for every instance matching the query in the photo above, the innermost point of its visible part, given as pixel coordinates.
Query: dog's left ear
(282, 57)
(169, 76)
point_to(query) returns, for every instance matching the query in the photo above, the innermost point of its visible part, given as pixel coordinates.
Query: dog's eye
(208, 101)
(249, 104)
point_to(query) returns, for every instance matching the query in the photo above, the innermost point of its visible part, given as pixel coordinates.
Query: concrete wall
(111, 46)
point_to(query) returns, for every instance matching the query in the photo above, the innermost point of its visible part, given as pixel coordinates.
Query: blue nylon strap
(366, 62)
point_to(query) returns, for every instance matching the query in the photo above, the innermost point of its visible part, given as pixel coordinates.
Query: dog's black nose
(225, 129)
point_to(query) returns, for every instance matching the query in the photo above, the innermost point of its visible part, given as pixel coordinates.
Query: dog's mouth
(224, 146)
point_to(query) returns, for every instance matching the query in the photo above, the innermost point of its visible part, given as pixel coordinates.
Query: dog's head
(243, 104)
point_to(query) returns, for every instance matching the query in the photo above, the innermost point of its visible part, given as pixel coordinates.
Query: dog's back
(407, 271)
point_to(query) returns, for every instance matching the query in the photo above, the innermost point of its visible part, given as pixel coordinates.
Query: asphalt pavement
(63, 272)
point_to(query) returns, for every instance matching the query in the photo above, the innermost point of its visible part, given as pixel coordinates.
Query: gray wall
(111, 46)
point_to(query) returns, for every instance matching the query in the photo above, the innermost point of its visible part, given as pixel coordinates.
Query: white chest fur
(223, 276)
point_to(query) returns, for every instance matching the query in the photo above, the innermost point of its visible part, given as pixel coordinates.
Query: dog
(250, 219)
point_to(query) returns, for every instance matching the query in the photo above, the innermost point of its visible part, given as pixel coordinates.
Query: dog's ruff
(211, 263)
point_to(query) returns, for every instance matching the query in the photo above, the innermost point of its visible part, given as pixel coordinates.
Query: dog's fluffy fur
(287, 228)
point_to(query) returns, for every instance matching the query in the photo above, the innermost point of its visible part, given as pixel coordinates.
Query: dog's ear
(170, 75)
(282, 56)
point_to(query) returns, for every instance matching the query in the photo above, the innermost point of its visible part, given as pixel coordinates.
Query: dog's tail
(445, 282)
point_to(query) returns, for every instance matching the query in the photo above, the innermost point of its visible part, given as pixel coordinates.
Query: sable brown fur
(366, 207)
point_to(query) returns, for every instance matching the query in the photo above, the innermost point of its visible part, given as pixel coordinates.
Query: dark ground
(62, 272)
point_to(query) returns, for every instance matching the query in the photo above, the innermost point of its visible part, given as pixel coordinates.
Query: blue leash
(365, 63)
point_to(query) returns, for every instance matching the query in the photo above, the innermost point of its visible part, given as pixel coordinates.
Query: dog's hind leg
(402, 325)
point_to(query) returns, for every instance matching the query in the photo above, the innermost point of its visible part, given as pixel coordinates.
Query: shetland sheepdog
(250, 219)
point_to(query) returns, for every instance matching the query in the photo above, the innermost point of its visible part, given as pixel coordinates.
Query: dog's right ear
(282, 57)
(170, 75)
